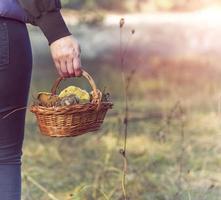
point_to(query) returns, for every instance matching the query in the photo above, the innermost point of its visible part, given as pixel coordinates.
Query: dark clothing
(43, 13)
(12, 9)
(47, 16)
(10, 183)
(15, 77)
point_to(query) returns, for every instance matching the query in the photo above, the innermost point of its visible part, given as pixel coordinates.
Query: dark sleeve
(47, 16)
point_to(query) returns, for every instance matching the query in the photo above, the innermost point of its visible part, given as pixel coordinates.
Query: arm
(64, 47)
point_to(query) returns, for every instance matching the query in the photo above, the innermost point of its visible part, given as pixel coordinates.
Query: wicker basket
(72, 120)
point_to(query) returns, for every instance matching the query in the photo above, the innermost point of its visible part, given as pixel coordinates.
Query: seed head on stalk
(122, 22)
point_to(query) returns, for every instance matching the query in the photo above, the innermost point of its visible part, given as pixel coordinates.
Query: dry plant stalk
(40, 187)
(126, 83)
(167, 122)
(181, 156)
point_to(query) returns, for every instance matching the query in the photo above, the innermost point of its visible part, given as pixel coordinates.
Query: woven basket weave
(72, 120)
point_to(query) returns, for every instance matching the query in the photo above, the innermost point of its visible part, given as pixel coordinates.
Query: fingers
(57, 64)
(63, 67)
(77, 62)
(77, 67)
(70, 67)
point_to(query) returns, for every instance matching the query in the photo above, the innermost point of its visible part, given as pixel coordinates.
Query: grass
(175, 163)
(173, 135)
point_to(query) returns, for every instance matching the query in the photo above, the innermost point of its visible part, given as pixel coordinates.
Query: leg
(15, 76)
(10, 182)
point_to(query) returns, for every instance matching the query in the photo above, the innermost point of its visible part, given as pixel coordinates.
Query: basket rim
(73, 105)
(81, 107)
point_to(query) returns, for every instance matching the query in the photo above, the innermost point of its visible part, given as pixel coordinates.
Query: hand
(66, 55)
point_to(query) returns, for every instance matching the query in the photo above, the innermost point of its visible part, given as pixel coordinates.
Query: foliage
(95, 4)
(137, 5)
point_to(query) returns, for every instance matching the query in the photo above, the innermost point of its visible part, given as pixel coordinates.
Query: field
(173, 128)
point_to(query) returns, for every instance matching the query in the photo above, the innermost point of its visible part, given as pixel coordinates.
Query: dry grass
(89, 167)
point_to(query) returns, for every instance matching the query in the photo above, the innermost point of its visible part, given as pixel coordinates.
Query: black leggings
(15, 77)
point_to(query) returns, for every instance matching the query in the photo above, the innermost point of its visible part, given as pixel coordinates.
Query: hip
(15, 63)
(14, 42)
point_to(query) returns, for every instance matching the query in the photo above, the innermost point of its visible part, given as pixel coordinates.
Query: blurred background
(174, 128)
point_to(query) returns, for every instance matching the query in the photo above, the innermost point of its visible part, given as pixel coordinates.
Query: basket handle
(96, 95)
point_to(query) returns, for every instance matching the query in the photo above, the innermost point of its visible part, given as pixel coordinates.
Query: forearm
(48, 17)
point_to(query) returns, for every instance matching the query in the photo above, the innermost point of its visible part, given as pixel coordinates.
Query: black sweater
(46, 14)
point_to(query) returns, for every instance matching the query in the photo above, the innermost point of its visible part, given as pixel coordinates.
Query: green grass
(163, 165)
